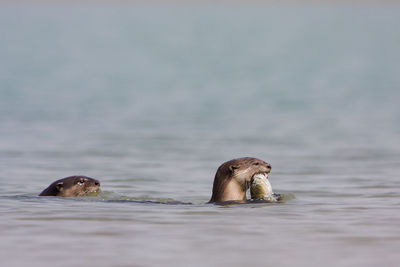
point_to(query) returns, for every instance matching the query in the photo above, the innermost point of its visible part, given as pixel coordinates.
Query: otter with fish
(72, 186)
(235, 177)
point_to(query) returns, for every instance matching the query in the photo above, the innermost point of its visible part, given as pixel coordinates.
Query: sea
(151, 97)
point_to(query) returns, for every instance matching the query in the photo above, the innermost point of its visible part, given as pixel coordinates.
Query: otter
(234, 177)
(72, 186)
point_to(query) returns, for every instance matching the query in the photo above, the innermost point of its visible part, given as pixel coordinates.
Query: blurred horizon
(207, 2)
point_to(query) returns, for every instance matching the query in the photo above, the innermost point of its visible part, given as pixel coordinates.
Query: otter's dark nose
(269, 166)
(96, 182)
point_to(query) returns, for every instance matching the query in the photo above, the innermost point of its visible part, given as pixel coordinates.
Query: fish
(261, 189)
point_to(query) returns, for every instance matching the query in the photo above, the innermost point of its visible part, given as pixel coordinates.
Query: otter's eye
(81, 182)
(256, 163)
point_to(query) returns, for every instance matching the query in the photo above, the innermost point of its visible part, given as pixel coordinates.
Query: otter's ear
(232, 168)
(60, 186)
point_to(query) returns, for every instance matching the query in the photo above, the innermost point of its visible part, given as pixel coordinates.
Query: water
(151, 99)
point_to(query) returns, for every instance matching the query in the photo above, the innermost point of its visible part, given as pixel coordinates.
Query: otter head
(73, 186)
(234, 177)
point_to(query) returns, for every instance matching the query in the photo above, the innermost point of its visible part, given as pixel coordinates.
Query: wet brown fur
(237, 175)
(72, 186)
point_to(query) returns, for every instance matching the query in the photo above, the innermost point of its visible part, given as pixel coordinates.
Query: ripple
(385, 195)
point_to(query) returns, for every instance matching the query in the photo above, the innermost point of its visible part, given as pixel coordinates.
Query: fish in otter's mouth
(261, 189)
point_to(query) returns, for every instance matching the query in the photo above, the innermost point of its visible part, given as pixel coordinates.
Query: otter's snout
(96, 182)
(268, 166)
